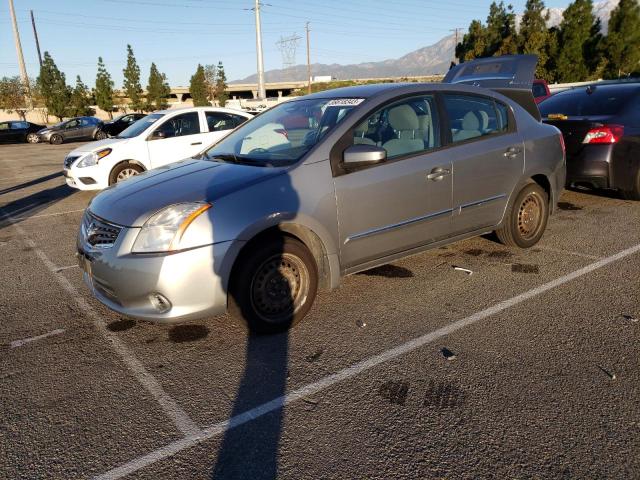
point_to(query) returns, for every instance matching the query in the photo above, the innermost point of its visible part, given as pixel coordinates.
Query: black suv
(118, 124)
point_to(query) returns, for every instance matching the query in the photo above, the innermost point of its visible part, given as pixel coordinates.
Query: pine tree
(13, 96)
(79, 104)
(534, 35)
(158, 90)
(132, 87)
(576, 29)
(221, 86)
(104, 89)
(473, 43)
(623, 40)
(53, 88)
(501, 35)
(198, 88)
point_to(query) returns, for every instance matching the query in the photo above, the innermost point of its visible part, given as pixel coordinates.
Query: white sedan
(158, 139)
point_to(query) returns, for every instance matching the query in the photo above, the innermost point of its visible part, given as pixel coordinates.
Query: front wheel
(101, 135)
(526, 218)
(56, 139)
(123, 171)
(273, 287)
(32, 138)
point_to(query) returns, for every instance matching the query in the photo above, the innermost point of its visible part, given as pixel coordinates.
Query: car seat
(404, 121)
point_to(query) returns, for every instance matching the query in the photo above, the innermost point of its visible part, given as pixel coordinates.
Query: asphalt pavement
(526, 368)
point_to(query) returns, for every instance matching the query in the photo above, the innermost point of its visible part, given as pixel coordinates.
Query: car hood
(132, 202)
(99, 145)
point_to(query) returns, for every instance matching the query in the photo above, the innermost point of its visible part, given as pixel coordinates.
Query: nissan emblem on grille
(99, 234)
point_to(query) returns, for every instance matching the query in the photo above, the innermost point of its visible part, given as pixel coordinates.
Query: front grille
(97, 232)
(68, 161)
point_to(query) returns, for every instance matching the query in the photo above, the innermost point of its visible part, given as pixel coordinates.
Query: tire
(32, 138)
(526, 217)
(100, 135)
(123, 171)
(56, 139)
(634, 193)
(264, 280)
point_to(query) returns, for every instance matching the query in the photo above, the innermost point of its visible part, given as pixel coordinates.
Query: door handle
(512, 152)
(438, 174)
(197, 143)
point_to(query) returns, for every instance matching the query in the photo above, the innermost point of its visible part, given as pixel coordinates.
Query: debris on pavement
(361, 323)
(314, 356)
(630, 318)
(609, 374)
(448, 354)
(462, 269)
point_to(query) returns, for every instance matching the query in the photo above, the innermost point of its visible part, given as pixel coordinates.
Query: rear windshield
(579, 103)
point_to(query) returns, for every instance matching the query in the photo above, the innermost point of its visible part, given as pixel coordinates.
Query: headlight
(91, 159)
(164, 230)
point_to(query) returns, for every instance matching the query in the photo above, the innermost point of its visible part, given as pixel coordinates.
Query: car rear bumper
(591, 166)
(192, 282)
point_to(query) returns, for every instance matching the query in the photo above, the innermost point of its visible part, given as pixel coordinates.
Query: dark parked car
(540, 90)
(19, 131)
(79, 128)
(601, 129)
(118, 124)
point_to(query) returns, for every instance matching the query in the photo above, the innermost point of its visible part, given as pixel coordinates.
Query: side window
(219, 121)
(401, 128)
(181, 125)
(85, 122)
(127, 119)
(19, 125)
(471, 116)
(4, 126)
(72, 124)
(238, 119)
(503, 117)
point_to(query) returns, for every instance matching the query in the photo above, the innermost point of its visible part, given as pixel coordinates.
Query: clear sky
(177, 35)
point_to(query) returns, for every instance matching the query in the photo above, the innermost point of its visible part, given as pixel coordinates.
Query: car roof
(196, 109)
(624, 86)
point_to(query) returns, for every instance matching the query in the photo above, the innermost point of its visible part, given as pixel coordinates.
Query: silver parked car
(325, 186)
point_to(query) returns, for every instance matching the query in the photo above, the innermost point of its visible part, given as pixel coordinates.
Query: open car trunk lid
(509, 75)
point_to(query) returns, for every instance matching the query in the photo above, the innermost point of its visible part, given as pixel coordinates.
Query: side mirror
(157, 135)
(361, 155)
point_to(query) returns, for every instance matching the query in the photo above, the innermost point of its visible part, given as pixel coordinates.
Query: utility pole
(456, 30)
(35, 34)
(23, 70)
(261, 90)
(308, 60)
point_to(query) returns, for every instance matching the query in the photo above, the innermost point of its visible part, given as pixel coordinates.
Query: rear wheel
(526, 218)
(123, 171)
(634, 193)
(32, 138)
(273, 287)
(101, 135)
(56, 139)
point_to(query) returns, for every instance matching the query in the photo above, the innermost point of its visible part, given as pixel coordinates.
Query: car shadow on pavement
(31, 205)
(30, 183)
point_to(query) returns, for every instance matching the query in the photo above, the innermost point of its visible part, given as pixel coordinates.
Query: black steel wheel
(526, 218)
(273, 285)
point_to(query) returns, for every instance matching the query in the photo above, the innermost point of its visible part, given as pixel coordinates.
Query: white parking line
(19, 343)
(16, 219)
(350, 372)
(180, 418)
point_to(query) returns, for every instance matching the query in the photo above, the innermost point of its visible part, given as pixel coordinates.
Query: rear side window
(473, 117)
(217, 121)
(181, 125)
(19, 125)
(601, 101)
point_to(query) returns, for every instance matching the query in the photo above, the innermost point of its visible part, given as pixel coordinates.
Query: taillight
(604, 134)
(562, 145)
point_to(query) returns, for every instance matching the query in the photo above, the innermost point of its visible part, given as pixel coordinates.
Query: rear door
(18, 131)
(488, 158)
(183, 138)
(403, 202)
(220, 124)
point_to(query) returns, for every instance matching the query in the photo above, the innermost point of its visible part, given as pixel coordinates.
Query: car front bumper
(87, 178)
(193, 282)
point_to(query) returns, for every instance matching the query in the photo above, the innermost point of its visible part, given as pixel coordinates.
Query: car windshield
(140, 126)
(59, 124)
(283, 134)
(579, 103)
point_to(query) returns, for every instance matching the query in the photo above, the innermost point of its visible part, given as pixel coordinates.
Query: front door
(72, 129)
(403, 202)
(182, 138)
(488, 159)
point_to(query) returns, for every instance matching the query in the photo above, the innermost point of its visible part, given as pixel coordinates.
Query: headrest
(403, 117)
(424, 121)
(485, 119)
(470, 122)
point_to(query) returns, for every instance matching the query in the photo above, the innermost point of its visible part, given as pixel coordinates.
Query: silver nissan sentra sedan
(325, 186)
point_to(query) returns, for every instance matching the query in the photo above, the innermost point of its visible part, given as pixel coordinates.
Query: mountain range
(432, 60)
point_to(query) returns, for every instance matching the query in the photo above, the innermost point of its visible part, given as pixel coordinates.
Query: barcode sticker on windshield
(341, 102)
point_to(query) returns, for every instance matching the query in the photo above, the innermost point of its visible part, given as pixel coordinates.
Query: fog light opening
(160, 302)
